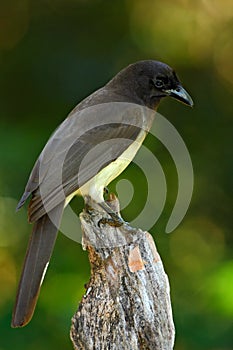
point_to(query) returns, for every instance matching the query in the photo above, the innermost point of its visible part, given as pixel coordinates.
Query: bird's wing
(85, 143)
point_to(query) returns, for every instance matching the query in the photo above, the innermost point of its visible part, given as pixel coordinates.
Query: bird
(67, 166)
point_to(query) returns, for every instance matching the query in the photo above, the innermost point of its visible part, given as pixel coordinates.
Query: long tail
(38, 254)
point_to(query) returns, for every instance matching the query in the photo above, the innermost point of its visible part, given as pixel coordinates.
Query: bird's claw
(88, 208)
(115, 221)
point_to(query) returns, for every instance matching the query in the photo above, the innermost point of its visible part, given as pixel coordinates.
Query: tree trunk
(127, 300)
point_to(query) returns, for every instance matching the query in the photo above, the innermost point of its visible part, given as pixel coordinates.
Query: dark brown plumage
(142, 84)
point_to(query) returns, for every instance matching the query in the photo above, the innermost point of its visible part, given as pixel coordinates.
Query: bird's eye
(159, 83)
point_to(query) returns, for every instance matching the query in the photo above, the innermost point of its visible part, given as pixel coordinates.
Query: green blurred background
(53, 53)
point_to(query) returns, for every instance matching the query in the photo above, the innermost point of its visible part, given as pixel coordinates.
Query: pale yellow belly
(95, 186)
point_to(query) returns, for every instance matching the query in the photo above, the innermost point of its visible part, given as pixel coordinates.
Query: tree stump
(127, 301)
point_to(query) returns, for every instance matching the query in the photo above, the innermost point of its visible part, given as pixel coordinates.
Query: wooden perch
(127, 300)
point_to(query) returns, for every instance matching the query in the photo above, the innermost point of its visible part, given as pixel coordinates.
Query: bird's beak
(180, 94)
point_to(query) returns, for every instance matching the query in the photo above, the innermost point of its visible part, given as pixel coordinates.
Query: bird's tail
(37, 258)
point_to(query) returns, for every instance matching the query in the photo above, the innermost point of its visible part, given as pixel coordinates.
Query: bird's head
(150, 81)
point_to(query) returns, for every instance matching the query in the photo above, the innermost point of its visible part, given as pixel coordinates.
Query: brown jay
(68, 165)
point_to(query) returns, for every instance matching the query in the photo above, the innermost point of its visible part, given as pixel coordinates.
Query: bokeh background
(53, 53)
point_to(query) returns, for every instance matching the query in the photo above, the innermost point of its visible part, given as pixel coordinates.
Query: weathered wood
(127, 300)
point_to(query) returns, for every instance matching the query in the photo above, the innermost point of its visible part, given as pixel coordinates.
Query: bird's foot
(88, 208)
(115, 220)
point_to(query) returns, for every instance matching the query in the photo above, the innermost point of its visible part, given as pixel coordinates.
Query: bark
(127, 300)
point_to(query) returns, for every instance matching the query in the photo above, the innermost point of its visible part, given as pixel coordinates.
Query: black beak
(180, 94)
